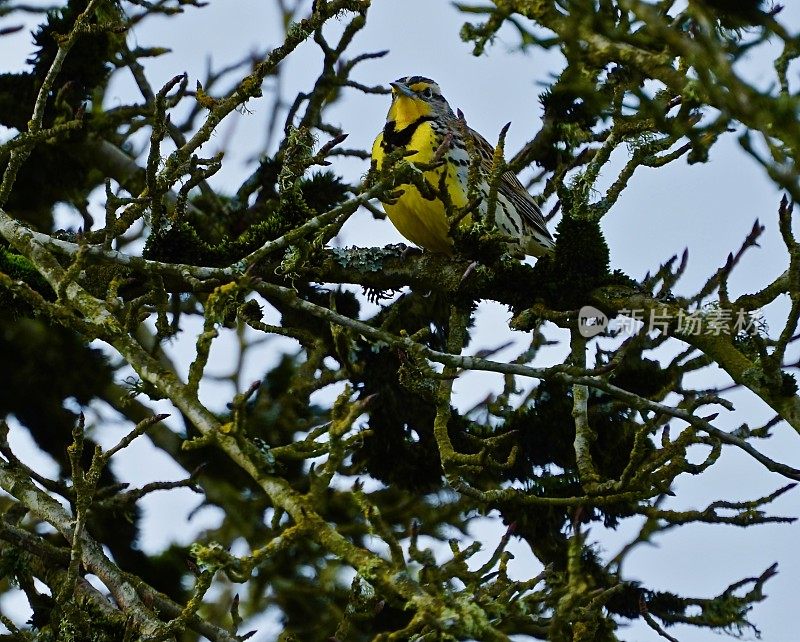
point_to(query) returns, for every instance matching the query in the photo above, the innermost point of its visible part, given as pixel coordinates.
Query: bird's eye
(427, 92)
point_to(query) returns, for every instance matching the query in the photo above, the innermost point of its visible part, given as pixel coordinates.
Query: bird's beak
(401, 89)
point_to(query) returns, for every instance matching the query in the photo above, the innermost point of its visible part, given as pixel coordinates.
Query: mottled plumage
(420, 120)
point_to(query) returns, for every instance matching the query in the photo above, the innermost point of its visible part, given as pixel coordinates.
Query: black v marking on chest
(393, 138)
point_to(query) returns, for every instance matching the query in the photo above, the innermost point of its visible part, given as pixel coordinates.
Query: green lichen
(367, 259)
(788, 384)
(579, 265)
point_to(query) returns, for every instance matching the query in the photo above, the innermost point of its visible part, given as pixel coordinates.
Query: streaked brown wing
(511, 188)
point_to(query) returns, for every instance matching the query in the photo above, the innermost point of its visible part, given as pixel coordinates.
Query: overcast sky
(707, 208)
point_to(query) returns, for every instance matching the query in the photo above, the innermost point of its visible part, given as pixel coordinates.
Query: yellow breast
(420, 220)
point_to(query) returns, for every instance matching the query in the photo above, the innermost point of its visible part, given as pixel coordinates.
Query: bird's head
(414, 97)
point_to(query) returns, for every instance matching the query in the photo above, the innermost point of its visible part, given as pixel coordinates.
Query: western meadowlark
(420, 122)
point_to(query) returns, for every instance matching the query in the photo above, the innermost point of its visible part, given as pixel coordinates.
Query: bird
(421, 123)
